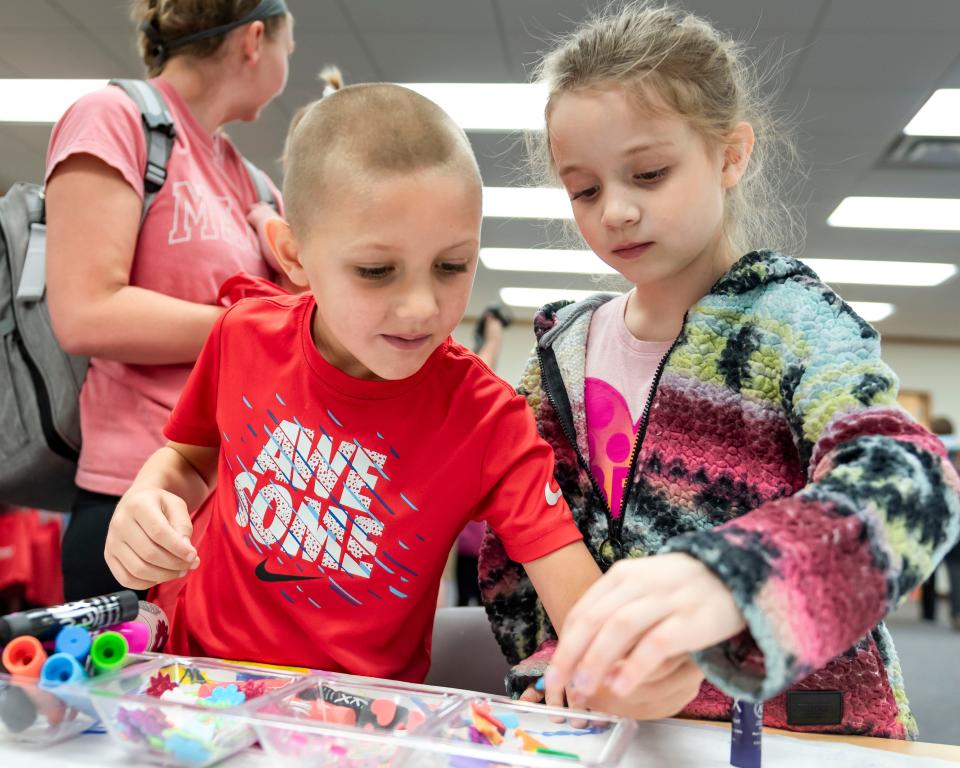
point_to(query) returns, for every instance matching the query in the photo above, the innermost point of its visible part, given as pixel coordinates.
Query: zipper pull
(611, 550)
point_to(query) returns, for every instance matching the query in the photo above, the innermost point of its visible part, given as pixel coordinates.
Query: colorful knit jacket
(773, 450)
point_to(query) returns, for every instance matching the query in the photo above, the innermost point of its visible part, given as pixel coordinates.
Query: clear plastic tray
(483, 731)
(35, 715)
(339, 721)
(349, 722)
(179, 711)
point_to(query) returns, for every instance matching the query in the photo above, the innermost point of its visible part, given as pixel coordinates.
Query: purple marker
(745, 731)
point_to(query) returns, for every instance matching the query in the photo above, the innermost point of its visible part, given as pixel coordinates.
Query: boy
(341, 437)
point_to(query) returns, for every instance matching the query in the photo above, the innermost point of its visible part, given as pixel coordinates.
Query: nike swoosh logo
(552, 496)
(264, 575)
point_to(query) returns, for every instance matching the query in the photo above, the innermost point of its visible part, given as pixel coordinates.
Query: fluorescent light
(856, 271)
(872, 311)
(940, 116)
(544, 260)
(488, 106)
(933, 213)
(526, 203)
(537, 297)
(34, 100)
(864, 272)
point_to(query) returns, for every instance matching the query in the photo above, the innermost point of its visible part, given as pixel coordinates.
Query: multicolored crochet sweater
(773, 450)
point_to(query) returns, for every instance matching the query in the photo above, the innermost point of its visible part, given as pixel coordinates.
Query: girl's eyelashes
(585, 194)
(651, 176)
(373, 273)
(647, 177)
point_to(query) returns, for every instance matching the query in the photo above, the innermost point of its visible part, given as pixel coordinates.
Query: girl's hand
(628, 626)
(148, 540)
(667, 691)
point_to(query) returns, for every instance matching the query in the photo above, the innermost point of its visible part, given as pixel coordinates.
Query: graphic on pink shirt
(612, 433)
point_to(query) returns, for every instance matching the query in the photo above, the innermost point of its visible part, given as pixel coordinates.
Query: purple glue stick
(745, 732)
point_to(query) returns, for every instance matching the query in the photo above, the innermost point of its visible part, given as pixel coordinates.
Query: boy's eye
(373, 273)
(452, 268)
(651, 176)
(585, 194)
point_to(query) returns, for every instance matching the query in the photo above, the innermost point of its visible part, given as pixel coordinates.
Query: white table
(674, 743)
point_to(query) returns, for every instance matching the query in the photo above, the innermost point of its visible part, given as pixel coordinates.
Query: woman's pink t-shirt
(195, 236)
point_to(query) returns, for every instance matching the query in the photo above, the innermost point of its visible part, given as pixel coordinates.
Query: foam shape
(385, 711)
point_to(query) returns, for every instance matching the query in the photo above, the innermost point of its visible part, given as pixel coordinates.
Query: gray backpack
(39, 382)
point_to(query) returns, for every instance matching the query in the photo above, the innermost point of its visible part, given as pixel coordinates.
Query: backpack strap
(259, 181)
(159, 131)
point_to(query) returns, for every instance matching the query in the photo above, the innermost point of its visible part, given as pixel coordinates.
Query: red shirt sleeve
(107, 125)
(194, 418)
(521, 500)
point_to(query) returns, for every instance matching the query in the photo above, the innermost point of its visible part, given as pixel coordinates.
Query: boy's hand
(640, 615)
(148, 540)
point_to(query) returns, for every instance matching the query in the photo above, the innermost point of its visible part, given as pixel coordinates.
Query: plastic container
(48, 709)
(341, 721)
(180, 711)
(491, 731)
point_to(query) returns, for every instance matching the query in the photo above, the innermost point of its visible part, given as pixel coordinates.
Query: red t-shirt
(338, 499)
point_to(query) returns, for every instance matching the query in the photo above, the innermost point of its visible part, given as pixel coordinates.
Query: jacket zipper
(641, 434)
(615, 526)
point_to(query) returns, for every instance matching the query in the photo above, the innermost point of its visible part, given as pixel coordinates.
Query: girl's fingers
(584, 621)
(532, 695)
(615, 639)
(670, 638)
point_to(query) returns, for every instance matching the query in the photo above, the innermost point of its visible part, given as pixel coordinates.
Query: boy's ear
(285, 250)
(736, 154)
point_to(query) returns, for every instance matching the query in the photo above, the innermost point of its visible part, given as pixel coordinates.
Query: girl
(150, 287)
(726, 432)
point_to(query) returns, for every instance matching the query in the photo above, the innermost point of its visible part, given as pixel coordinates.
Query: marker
(61, 671)
(148, 631)
(24, 657)
(746, 730)
(108, 652)
(74, 641)
(17, 710)
(92, 613)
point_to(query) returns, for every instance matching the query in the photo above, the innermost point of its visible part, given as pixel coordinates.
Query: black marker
(92, 613)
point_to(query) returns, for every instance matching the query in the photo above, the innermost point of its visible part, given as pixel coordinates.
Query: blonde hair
(332, 80)
(376, 128)
(670, 58)
(178, 18)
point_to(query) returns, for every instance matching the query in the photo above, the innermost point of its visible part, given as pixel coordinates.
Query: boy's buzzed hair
(373, 128)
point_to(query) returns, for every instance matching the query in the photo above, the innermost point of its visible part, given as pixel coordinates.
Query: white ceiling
(854, 73)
